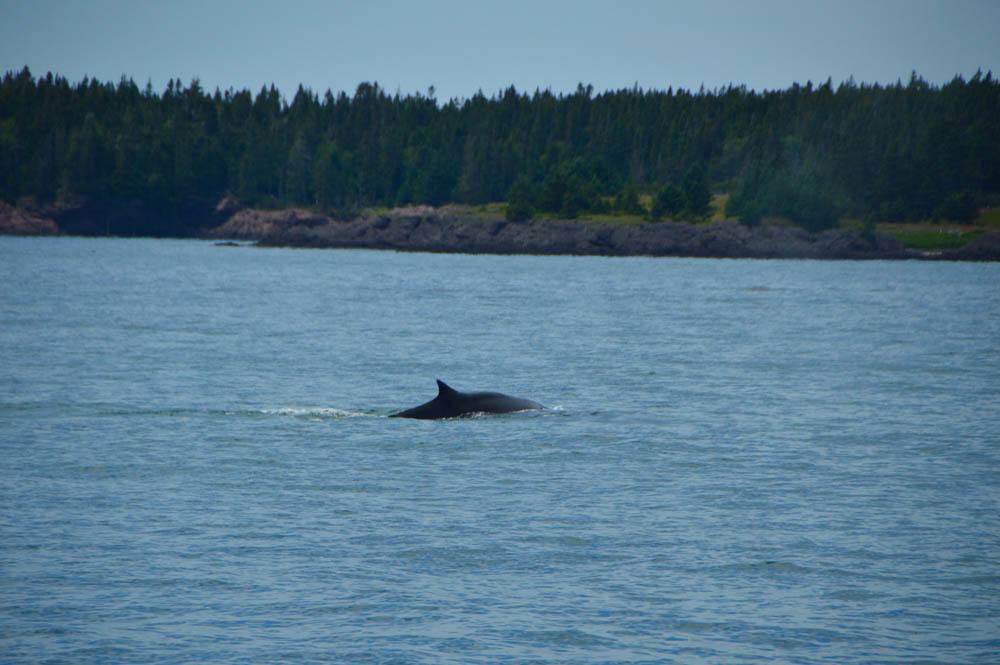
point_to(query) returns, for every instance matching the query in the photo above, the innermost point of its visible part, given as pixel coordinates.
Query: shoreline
(459, 229)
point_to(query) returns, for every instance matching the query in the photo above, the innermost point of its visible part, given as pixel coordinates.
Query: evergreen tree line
(809, 153)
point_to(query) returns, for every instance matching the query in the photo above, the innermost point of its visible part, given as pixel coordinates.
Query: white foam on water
(317, 412)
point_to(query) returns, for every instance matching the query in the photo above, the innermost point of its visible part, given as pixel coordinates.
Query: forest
(813, 154)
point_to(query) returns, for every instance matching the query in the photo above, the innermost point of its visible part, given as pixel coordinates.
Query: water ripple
(747, 462)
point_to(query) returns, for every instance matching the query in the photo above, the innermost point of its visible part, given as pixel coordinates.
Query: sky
(461, 47)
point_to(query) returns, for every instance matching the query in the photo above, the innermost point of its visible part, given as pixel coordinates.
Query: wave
(318, 413)
(307, 412)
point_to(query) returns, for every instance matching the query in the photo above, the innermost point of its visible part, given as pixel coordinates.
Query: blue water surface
(743, 461)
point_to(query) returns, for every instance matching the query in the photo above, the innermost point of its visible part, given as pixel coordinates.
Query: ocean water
(742, 461)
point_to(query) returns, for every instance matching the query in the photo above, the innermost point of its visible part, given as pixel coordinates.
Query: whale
(451, 403)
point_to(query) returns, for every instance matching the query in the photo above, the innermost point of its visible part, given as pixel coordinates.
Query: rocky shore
(461, 230)
(23, 222)
(454, 229)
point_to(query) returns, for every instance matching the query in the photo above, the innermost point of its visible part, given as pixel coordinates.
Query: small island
(910, 170)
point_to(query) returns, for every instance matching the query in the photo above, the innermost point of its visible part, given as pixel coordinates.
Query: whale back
(451, 403)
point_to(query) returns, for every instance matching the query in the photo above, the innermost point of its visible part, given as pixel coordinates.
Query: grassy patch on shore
(718, 205)
(612, 218)
(932, 238)
(489, 210)
(603, 217)
(990, 218)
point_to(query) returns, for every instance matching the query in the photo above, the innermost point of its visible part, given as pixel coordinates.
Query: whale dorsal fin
(444, 390)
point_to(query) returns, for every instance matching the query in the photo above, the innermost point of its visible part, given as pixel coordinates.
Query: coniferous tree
(697, 197)
(669, 202)
(627, 201)
(811, 154)
(331, 179)
(521, 202)
(297, 173)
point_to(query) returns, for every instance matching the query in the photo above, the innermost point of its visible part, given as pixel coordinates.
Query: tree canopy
(812, 153)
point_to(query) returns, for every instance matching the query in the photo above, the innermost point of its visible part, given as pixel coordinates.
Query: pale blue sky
(463, 46)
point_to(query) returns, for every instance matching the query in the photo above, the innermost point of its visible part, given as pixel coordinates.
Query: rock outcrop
(250, 224)
(448, 230)
(984, 248)
(24, 222)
